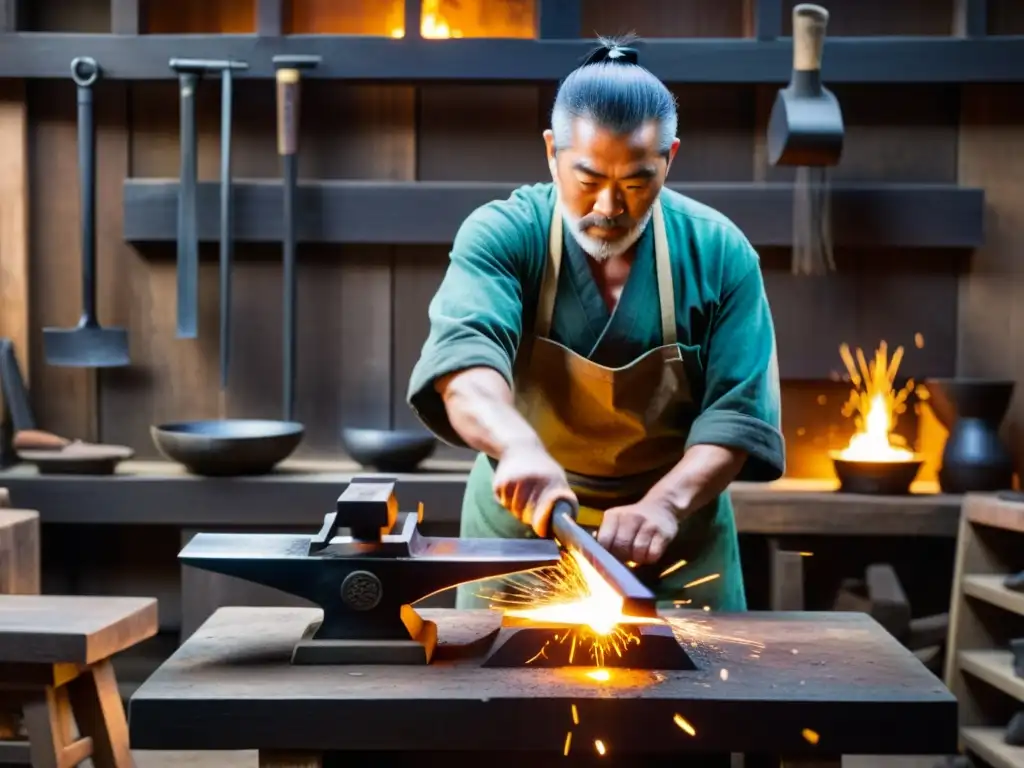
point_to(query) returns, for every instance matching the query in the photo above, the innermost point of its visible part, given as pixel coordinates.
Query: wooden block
(787, 579)
(19, 552)
(52, 629)
(889, 604)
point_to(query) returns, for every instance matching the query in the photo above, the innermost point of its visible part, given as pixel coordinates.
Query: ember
(875, 404)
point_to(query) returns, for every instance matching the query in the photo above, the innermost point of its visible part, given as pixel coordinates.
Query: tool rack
(984, 616)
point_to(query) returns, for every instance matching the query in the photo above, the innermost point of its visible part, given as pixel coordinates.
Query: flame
(594, 603)
(875, 404)
(433, 25)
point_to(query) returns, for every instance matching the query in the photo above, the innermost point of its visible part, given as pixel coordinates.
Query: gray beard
(601, 250)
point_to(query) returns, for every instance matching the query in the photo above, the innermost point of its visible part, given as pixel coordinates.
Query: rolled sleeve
(475, 317)
(741, 405)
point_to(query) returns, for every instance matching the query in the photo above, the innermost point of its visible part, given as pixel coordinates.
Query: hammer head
(201, 66)
(805, 129)
(296, 61)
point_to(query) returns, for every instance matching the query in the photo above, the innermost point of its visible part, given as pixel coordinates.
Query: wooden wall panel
(855, 18)
(14, 219)
(1005, 17)
(716, 124)
(226, 17)
(991, 339)
(483, 133)
(663, 18)
(64, 16)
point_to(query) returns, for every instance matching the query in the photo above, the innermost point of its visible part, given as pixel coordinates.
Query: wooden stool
(55, 666)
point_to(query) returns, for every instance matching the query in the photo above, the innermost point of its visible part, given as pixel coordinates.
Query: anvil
(365, 579)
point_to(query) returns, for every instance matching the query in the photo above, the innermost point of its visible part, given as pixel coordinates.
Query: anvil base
(643, 646)
(418, 648)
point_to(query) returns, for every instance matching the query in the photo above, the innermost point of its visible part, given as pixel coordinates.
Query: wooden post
(19, 552)
(787, 578)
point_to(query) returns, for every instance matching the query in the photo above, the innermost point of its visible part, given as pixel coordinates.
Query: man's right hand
(528, 482)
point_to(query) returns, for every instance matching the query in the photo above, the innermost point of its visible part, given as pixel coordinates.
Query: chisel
(637, 600)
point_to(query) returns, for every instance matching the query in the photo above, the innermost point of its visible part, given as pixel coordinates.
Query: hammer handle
(809, 23)
(287, 111)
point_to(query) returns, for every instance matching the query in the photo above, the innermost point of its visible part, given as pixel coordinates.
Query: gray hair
(615, 92)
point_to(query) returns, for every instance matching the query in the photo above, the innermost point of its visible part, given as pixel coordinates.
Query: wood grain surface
(53, 629)
(231, 686)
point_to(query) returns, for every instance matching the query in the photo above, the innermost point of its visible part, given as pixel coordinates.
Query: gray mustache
(604, 223)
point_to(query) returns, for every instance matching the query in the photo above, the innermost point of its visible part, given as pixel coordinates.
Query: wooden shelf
(977, 644)
(990, 510)
(991, 590)
(996, 669)
(988, 744)
(863, 215)
(881, 59)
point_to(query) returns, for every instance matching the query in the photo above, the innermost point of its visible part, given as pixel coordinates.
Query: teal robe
(486, 305)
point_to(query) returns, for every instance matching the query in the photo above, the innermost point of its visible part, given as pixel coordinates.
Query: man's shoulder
(714, 237)
(516, 215)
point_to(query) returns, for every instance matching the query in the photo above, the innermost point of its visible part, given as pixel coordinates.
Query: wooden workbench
(231, 686)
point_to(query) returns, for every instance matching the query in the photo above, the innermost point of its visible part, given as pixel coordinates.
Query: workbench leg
(100, 716)
(50, 726)
(787, 578)
(271, 759)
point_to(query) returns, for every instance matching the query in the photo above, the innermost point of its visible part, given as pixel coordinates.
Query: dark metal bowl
(389, 450)
(879, 478)
(228, 447)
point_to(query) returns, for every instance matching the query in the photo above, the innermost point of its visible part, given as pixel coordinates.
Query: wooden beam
(127, 17)
(11, 15)
(970, 18)
(895, 59)
(412, 18)
(14, 212)
(863, 215)
(560, 20)
(269, 18)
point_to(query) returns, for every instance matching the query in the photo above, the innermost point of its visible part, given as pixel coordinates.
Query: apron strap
(549, 283)
(663, 265)
(666, 289)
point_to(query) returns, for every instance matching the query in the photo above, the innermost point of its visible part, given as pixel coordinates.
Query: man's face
(607, 183)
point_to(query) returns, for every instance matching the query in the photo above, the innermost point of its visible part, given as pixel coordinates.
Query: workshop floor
(248, 760)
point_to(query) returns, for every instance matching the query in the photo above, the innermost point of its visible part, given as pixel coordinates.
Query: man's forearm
(481, 410)
(703, 473)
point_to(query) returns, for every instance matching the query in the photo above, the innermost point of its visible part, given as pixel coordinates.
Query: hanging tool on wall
(87, 345)
(289, 68)
(226, 220)
(805, 130)
(189, 72)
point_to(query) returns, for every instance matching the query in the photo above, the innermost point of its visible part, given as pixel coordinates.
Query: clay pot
(974, 457)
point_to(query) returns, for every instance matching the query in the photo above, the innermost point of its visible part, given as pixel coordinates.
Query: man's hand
(639, 532)
(528, 482)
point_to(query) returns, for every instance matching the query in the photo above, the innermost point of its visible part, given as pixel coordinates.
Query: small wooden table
(824, 685)
(55, 666)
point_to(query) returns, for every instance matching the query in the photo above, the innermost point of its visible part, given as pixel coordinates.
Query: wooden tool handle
(287, 111)
(809, 23)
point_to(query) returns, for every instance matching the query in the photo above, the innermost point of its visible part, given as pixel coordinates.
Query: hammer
(806, 124)
(189, 71)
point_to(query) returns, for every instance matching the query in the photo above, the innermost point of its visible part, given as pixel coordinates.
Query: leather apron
(615, 431)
